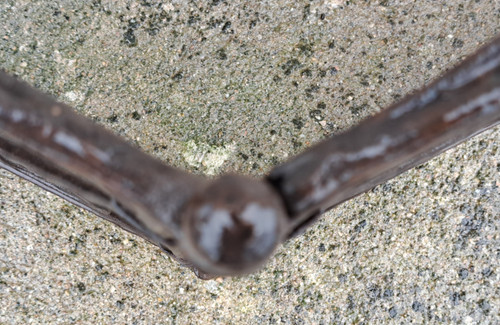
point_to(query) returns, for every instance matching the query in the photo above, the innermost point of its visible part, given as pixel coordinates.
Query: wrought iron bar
(232, 224)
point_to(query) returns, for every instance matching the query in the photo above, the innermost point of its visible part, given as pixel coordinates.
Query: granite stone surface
(240, 86)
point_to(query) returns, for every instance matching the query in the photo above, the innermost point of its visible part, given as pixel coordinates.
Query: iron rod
(231, 225)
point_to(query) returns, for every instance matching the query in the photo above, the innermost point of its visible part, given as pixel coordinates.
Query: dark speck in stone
(113, 118)
(80, 286)
(393, 312)
(463, 273)
(469, 227)
(456, 297)
(296, 144)
(316, 115)
(374, 292)
(291, 65)
(484, 305)
(388, 293)
(396, 96)
(136, 116)
(298, 123)
(312, 89)
(306, 73)
(221, 54)
(386, 187)
(133, 24)
(178, 76)
(355, 110)
(486, 272)
(306, 11)
(350, 302)
(129, 38)
(226, 28)
(360, 226)
(417, 306)
(192, 20)
(457, 43)
(321, 247)
(434, 215)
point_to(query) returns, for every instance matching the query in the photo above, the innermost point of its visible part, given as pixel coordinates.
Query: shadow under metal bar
(231, 225)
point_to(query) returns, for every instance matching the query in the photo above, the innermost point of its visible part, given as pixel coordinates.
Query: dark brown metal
(231, 225)
(47, 143)
(460, 104)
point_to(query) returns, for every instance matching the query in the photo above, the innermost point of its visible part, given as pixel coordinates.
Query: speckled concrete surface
(220, 86)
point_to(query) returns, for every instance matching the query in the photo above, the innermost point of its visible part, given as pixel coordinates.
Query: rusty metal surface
(232, 224)
(462, 103)
(48, 144)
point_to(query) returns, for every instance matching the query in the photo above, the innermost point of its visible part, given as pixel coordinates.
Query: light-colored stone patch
(335, 3)
(74, 96)
(209, 158)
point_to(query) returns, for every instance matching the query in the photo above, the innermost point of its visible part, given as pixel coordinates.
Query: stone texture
(235, 86)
